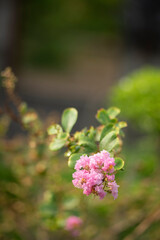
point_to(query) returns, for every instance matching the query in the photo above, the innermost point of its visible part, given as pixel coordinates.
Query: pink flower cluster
(96, 174)
(73, 224)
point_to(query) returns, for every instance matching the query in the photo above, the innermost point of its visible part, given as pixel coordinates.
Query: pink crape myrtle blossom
(114, 188)
(102, 161)
(110, 177)
(100, 191)
(73, 224)
(96, 174)
(84, 163)
(87, 180)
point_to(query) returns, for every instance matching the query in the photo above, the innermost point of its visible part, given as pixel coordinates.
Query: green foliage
(57, 144)
(108, 128)
(109, 141)
(113, 112)
(69, 118)
(102, 116)
(111, 131)
(55, 129)
(138, 94)
(88, 144)
(119, 163)
(73, 158)
(36, 193)
(88, 141)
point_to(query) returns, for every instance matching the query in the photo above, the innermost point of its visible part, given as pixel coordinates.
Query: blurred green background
(57, 28)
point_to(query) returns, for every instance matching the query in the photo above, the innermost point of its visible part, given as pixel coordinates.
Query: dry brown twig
(144, 225)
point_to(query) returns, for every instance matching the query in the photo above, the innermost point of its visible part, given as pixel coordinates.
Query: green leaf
(87, 150)
(102, 116)
(63, 135)
(80, 134)
(87, 142)
(112, 145)
(73, 159)
(119, 163)
(54, 129)
(106, 130)
(92, 133)
(121, 125)
(29, 117)
(113, 120)
(69, 118)
(113, 112)
(57, 144)
(109, 141)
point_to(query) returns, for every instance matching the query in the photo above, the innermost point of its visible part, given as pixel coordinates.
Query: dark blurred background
(69, 53)
(81, 53)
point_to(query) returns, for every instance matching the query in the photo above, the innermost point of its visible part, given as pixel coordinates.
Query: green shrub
(138, 94)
